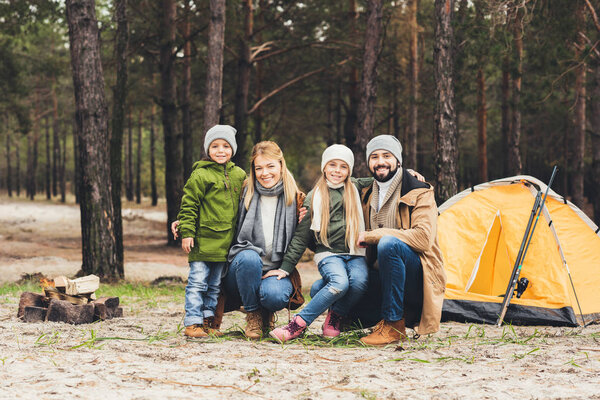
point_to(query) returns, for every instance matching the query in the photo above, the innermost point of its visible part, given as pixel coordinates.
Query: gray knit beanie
(224, 132)
(338, 152)
(385, 142)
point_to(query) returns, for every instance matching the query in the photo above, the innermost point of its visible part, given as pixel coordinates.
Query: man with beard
(407, 279)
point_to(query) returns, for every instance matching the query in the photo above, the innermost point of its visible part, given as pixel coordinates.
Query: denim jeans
(202, 291)
(344, 283)
(395, 291)
(244, 279)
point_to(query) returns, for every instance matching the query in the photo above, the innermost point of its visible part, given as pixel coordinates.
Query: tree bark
(368, 86)
(129, 159)
(63, 164)
(97, 231)
(76, 172)
(56, 141)
(18, 166)
(243, 83)
(8, 163)
(514, 147)
(445, 146)
(482, 127)
(410, 159)
(118, 122)
(351, 111)
(579, 121)
(48, 171)
(214, 73)
(505, 124)
(172, 141)
(186, 88)
(152, 163)
(138, 161)
(595, 136)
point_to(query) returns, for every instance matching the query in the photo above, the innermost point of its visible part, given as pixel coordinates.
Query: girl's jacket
(209, 208)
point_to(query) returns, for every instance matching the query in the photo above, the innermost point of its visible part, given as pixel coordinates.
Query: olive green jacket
(209, 208)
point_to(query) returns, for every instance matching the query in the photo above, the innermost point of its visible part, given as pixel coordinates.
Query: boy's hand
(174, 226)
(187, 244)
(360, 241)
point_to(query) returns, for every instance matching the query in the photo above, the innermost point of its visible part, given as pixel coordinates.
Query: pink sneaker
(331, 327)
(291, 331)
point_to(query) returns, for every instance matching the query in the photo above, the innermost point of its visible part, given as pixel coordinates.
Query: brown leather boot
(386, 332)
(211, 328)
(268, 321)
(254, 322)
(195, 331)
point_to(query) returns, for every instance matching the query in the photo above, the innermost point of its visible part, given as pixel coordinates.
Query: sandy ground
(143, 355)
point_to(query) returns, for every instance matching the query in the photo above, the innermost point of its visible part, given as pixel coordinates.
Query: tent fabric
(480, 232)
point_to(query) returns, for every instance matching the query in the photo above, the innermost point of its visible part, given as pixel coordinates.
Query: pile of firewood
(71, 301)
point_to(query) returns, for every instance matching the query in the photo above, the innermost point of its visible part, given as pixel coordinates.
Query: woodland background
(474, 89)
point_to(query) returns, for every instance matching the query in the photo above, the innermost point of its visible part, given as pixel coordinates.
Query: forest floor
(144, 354)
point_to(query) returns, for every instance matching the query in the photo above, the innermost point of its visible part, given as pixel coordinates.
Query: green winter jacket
(209, 208)
(336, 231)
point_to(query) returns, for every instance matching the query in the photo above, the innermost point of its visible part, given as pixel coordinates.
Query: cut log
(83, 285)
(60, 282)
(63, 311)
(34, 314)
(54, 294)
(31, 299)
(105, 308)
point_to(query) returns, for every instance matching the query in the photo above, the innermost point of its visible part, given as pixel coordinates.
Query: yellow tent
(480, 231)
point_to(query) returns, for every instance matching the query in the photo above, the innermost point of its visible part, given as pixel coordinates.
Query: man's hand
(187, 244)
(301, 214)
(417, 175)
(275, 272)
(360, 242)
(174, 226)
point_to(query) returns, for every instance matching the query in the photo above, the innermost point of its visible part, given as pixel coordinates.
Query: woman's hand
(417, 175)
(187, 244)
(174, 226)
(301, 214)
(275, 272)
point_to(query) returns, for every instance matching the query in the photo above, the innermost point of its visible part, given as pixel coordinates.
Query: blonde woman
(333, 224)
(267, 219)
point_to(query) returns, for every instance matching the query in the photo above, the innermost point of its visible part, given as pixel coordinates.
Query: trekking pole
(537, 210)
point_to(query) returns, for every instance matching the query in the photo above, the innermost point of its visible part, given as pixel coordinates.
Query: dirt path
(143, 355)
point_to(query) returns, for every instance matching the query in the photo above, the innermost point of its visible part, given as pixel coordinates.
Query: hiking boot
(386, 332)
(331, 327)
(211, 328)
(254, 322)
(268, 320)
(291, 331)
(195, 331)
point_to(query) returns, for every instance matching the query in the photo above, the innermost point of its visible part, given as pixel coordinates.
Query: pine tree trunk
(62, 174)
(172, 141)
(56, 141)
(368, 86)
(514, 138)
(152, 163)
(97, 231)
(410, 159)
(214, 69)
(76, 172)
(595, 136)
(258, 114)
(482, 127)
(351, 111)
(186, 88)
(579, 122)
(48, 185)
(138, 161)
(505, 124)
(8, 163)
(243, 83)
(129, 158)
(445, 143)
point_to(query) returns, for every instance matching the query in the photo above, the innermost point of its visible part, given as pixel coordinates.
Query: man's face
(383, 165)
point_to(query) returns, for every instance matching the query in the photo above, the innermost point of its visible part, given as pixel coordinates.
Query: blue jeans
(244, 279)
(395, 291)
(344, 283)
(202, 291)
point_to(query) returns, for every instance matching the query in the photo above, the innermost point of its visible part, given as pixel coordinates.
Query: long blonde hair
(272, 151)
(350, 211)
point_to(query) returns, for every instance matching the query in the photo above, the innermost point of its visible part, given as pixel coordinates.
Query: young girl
(333, 222)
(207, 218)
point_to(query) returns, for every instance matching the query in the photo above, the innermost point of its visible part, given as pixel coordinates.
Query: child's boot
(211, 328)
(331, 327)
(195, 331)
(254, 321)
(291, 331)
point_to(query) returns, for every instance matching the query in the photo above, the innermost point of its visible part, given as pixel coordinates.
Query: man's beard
(386, 178)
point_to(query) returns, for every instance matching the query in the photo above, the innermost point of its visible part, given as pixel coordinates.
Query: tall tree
(48, 168)
(413, 110)
(445, 150)
(514, 138)
(168, 104)
(352, 108)
(129, 159)
(481, 94)
(579, 120)
(138, 160)
(97, 231)
(186, 88)
(8, 163)
(118, 121)
(214, 68)
(368, 85)
(154, 192)
(56, 157)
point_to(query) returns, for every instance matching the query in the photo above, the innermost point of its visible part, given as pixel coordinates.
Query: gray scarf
(249, 234)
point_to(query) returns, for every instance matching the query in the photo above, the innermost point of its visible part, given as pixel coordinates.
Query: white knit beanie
(224, 132)
(338, 152)
(385, 142)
